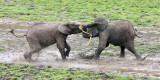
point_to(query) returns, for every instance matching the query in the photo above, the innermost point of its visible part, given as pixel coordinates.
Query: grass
(155, 46)
(140, 43)
(107, 53)
(27, 72)
(138, 12)
(143, 47)
(1, 49)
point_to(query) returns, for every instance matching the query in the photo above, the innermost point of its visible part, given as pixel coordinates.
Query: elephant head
(95, 28)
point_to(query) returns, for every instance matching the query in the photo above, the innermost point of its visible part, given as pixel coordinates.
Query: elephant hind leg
(62, 51)
(34, 47)
(28, 55)
(122, 54)
(132, 49)
(61, 47)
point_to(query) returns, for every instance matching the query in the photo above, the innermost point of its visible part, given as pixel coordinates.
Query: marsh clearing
(12, 50)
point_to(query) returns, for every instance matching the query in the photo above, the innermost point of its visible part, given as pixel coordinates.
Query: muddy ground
(12, 49)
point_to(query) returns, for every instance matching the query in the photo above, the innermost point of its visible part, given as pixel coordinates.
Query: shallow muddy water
(12, 50)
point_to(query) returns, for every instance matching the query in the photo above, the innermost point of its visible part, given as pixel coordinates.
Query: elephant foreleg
(61, 47)
(102, 45)
(68, 49)
(98, 52)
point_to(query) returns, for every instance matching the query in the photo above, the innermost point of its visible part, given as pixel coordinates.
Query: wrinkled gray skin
(42, 35)
(119, 33)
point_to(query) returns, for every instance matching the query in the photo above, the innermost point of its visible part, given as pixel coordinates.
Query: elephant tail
(145, 57)
(148, 55)
(19, 36)
(136, 33)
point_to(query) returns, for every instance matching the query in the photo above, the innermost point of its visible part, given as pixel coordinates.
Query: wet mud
(13, 48)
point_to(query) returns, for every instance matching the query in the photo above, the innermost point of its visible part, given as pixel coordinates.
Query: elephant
(42, 35)
(119, 33)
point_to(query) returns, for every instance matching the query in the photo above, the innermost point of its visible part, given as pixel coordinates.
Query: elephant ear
(102, 26)
(65, 29)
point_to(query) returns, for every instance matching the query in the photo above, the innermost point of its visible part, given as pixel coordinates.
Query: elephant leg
(122, 54)
(107, 44)
(98, 51)
(132, 49)
(103, 37)
(34, 47)
(61, 47)
(101, 47)
(28, 55)
(68, 49)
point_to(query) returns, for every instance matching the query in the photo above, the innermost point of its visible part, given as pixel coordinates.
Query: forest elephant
(119, 33)
(42, 35)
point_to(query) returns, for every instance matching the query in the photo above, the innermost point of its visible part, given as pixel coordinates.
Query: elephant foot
(31, 60)
(122, 56)
(95, 57)
(67, 54)
(64, 58)
(27, 57)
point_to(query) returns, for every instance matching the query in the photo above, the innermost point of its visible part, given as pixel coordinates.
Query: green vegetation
(107, 53)
(139, 12)
(141, 50)
(143, 47)
(1, 49)
(154, 46)
(28, 72)
(140, 43)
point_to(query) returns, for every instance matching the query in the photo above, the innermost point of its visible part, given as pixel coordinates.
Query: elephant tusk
(89, 42)
(80, 27)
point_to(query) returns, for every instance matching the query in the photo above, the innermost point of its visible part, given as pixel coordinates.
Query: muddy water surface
(12, 50)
